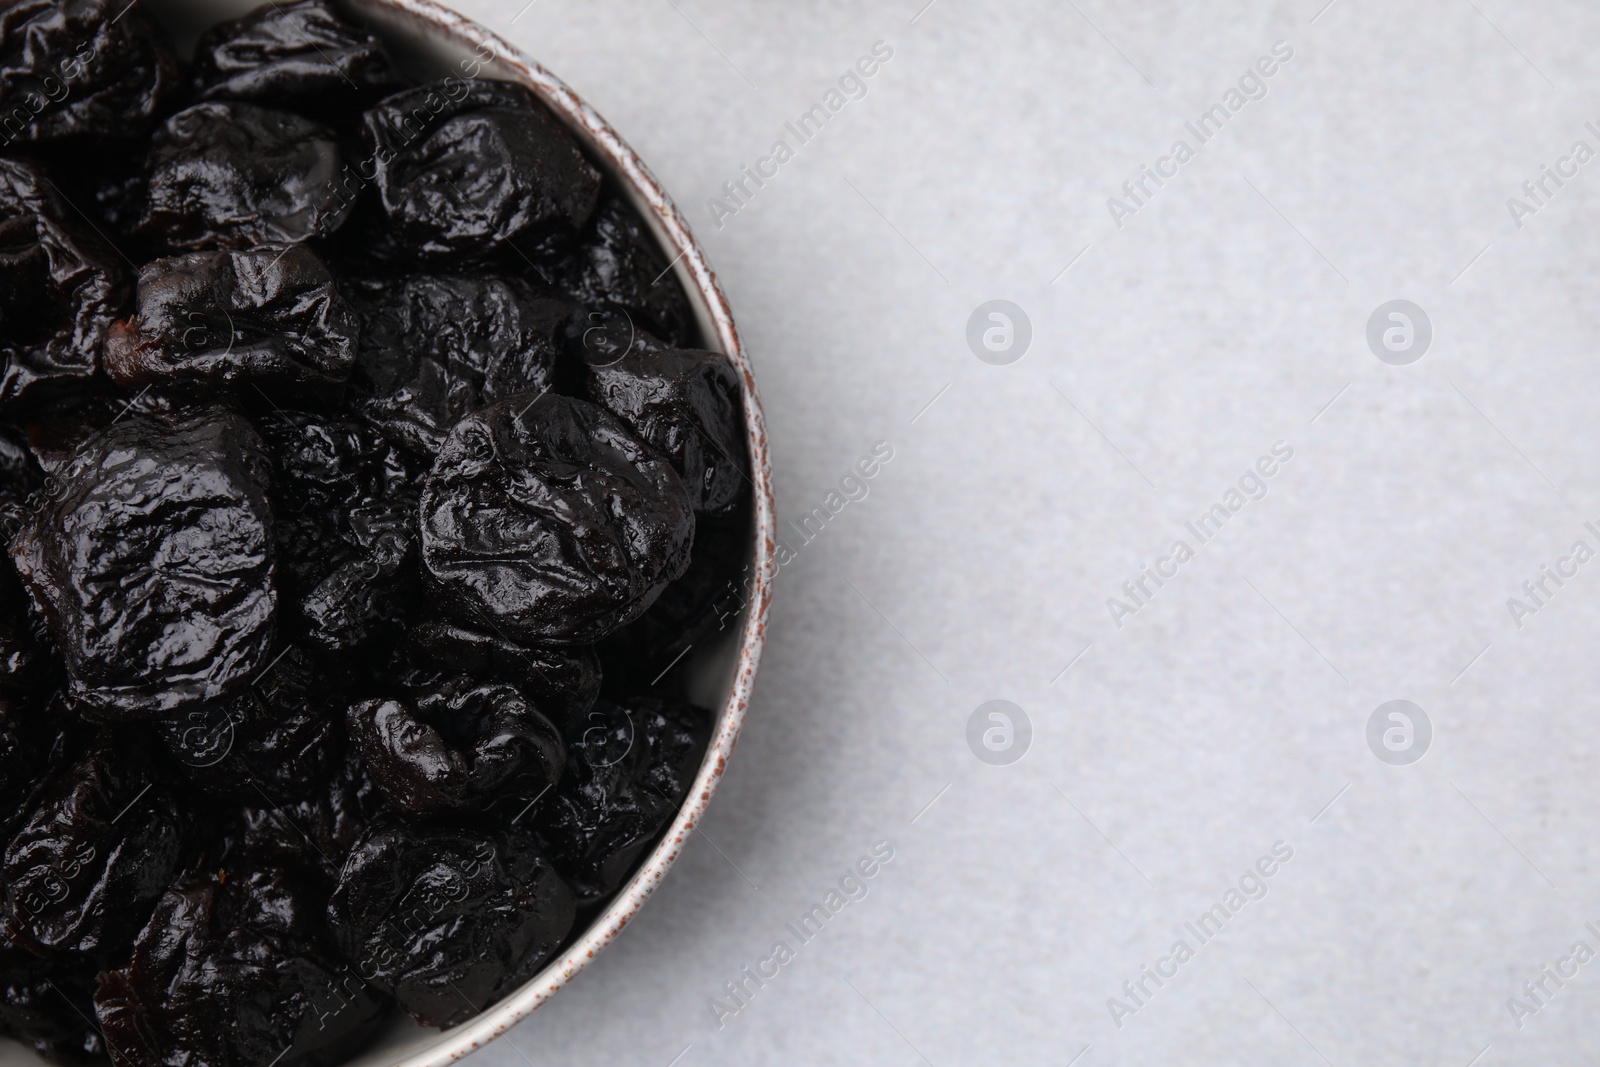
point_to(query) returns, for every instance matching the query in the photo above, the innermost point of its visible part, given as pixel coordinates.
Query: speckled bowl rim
(701, 281)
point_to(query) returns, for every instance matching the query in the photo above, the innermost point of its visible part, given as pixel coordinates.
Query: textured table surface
(1179, 735)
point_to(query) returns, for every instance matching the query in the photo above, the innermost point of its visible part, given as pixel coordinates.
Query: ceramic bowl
(430, 41)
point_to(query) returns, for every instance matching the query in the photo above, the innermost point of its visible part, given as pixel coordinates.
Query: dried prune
(153, 566)
(435, 348)
(617, 262)
(345, 510)
(312, 834)
(446, 919)
(79, 69)
(47, 1005)
(562, 680)
(298, 56)
(544, 518)
(61, 287)
(463, 168)
(267, 317)
(460, 747)
(277, 739)
(629, 767)
(97, 849)
(236, 969)
(705, 601)
(684, 402)
(225, 174)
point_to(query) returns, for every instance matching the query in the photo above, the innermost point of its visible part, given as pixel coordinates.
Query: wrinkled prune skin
(618, 263)
(270, 318)
(684, 402)
(345, 509)
(275, 740)
(232, 175)
(629, 768)
(312, 834)
(299, 57)
(153, 567)
(58, 427)
(435, 348)
(28, 758)
(562, 680)
(47, 1005)
(545, 519)
(61, 287)
(79, 69)
(98, 848)
(446, 919)
(236, 969)
(704, 602)
(464, 168)
(460, 747)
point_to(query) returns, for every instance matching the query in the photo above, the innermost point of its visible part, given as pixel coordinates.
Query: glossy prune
(562, 680)
(61, 287)
(79, 69)
(629, 767)
(544, 518)
(460, 746)
(705, 601)
(345, 510)
(153, 566)
(435, 348)
(299, 56)
(96, 850)
(277, 739)
(684, 402)
(48, 1005)
(232, 175)
(268, 318)
(236, 969)
(463, 168)
(312, 834)
(618, 263)
(446, 920)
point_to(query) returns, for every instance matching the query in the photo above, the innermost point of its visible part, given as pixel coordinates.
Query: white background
(1229, 313)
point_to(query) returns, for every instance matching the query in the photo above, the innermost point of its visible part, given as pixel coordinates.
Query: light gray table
(1228, 712)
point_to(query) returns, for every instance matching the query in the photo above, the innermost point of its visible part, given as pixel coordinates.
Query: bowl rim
(690, 265)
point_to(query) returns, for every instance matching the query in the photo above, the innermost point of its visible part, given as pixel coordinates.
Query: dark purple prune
(28, 666)
(58, 426)
(276, 740)
(345, 509)
(313, 833)
(462, 746)
(463, 168)
(268, 318)
(617, 262)
(684, 402)
(61, 287)
(28, 759)
(79, 69)
(233, 175)
(562, 680)
(435, 348)
(48, 1005)
(546, 519)
(236, 969)
(299, 56)
(447, 920)
(153, 566)
(704, 602)
(629, 768)
(98, 847)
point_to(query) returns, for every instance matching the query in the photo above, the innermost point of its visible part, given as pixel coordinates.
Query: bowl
(430, 41)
